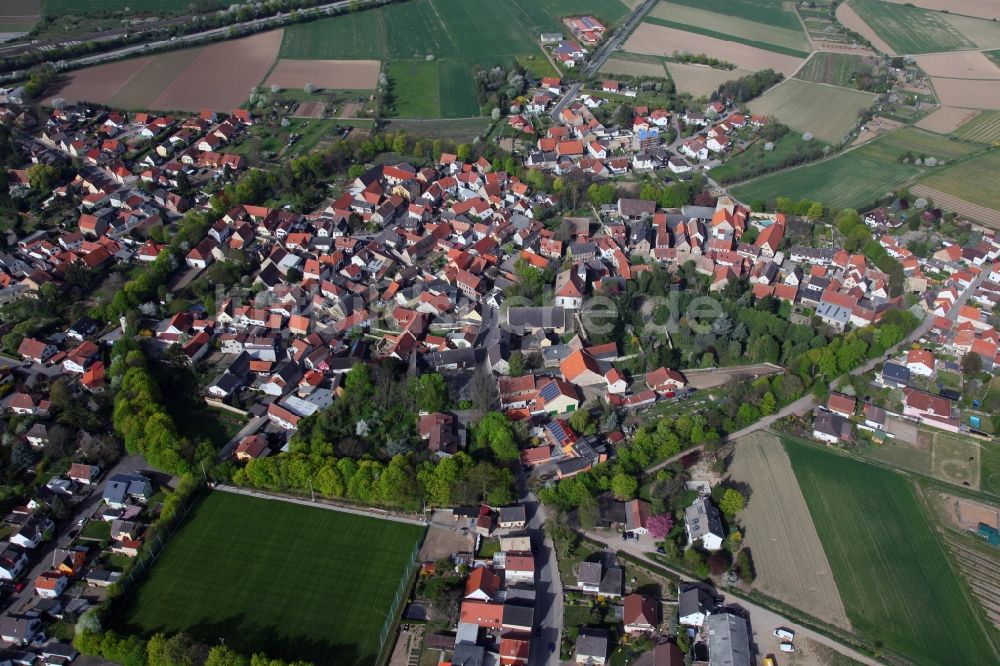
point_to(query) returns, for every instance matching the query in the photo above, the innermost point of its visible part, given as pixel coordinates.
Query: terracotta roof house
(839, 403)
(640, 614)
(581, 368)
(251, 447)
(482, 584)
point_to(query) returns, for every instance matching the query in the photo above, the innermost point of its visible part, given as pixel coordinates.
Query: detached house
(703, 524)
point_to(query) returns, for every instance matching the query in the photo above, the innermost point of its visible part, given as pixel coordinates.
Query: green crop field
(920, 143)
(984, 128)
(836, 69)
(769, 12)
(293, 581)
(826, 111)
(855, 179)
(912, 30)
(717, 22)
(892, 569)
(458, 33)
(967, 180)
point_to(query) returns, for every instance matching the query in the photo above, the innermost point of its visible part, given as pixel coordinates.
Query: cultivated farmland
(828, 112)
(961, 65)
(947, 119)
(701, 80)
(788, 555)
(987, 9)
(293, 581)
(965, 180)
(892, 570)
(984, 127)
(458, 34)
(837, 69)
(967, 94)
(63, 7)
(913, 30)
(791, 40)
(325, 74)
(632, 65)
(218, 76)
(18, 16)
(854, 179)
(663, 41)
(920, 143)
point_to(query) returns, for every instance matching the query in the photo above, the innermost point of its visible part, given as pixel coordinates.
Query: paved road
(43, 554)
(762, 620)
(618, 38)
(548, 588)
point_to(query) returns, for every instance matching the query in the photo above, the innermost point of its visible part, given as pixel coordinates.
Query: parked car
(787, 647)
(786, 635)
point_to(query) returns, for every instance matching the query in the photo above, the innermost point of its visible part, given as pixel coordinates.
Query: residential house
(512, 517)
(838, 403)
(694, 605)
(703, 525)
(831, 427)
(591, 647)
(641, 615)
(51, 584)
(123, 487)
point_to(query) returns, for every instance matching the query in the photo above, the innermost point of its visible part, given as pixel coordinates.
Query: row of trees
(140, 414)
(160, 650)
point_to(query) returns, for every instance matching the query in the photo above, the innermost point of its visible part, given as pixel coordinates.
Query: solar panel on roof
(549, 391)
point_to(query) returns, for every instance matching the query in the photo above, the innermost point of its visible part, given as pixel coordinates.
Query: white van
(784, 634)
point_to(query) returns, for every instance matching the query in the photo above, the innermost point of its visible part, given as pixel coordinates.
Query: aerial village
(415, 263)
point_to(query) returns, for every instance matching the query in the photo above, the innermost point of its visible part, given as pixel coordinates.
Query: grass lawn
(755, 160)
(198, 420)
(989, 471)
(98, 530)
(897, 582)
(293, 581)
(415, 89)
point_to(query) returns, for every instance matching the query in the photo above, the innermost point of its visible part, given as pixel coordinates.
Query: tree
(463, 152)
(971, 364)
(220, 655)
(494, 430)
(431, 393)
(587, 513)
(579, 421)
(42, 177)
(744, 564)
(516, 364)
(624, 486)
(660, 525)
(309, 88)
(732, 502)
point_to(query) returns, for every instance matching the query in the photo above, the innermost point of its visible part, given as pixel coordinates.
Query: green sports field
(293, 581)
(896, 579)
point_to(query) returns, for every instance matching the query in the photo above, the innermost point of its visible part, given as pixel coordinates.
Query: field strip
(850, 20)
(987, 216)
(320, 504)
(947, 119)
(444, 25)
(985, 9)
(788, 554)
